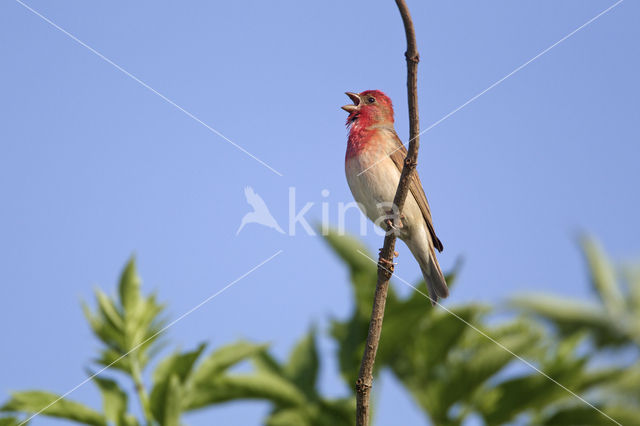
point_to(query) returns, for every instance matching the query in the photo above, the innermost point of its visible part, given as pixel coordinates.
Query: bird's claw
(390, 225)
(389, 221)
(386, 264)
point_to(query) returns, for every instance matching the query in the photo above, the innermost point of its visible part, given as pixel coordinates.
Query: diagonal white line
(189, 312)
(590, 21)
(494, 341)
(145, 85)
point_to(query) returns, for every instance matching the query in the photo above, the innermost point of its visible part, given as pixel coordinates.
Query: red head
(369, 107)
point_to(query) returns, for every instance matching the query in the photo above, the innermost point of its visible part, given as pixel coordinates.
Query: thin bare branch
(385, 261)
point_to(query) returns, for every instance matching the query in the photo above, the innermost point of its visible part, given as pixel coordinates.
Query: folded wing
(398, 155)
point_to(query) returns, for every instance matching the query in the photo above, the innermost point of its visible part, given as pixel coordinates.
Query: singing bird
(373, 163)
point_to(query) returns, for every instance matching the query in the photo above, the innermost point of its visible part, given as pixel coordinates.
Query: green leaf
(179, 364)
(585, 415)
(348, 248)
(625, 385)
(289, 417)
(130, 420)
(108, 310)
(144, 333)
(486, 359)
(602, 376)
(303, 364)
(33, 401)
(223, 358)
(536, 393)
(10, 421)
(163, 393)
(451, 276)
(632, 275)
(340, 411)
(173, 403)
(110, 336)
(129, 287)
(114, 400)
(114, 359)
(264, 362)
(364, 272)
(518, 395)
(131, 328)
(350, 337)
(571, 316)
(444, 363)
(261, 385)
(603, 276)
(407, 320)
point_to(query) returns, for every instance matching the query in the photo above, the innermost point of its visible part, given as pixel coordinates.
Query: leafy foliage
(300, 374)
(454, 363)
(612, 322)
(538, 367)
(9, 421)
(114, 402)
(34, 401)
(129, 328)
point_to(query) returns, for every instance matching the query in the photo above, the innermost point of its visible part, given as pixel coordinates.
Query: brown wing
(398, 156)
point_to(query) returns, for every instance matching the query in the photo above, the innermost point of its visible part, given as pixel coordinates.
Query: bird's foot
(391, 215)
(386, 264)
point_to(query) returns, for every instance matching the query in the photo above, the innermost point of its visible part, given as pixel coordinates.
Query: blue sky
(95, 167)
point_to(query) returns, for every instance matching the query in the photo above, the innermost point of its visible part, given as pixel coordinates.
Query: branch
(385, 261)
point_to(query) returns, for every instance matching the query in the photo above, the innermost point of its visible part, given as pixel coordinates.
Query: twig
(385, 261)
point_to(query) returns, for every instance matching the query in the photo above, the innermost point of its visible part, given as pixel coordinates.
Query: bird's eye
(371, 100)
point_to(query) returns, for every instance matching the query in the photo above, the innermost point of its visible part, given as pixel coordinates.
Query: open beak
(355, 98)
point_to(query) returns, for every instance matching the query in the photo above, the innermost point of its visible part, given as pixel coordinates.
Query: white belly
(375, 189)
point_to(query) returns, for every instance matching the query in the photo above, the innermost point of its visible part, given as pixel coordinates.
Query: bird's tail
(431, 272)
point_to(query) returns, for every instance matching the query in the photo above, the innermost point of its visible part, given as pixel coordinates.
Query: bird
(373, 162)
(260, 213)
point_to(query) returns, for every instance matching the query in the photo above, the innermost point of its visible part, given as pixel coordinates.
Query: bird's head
(369, 107)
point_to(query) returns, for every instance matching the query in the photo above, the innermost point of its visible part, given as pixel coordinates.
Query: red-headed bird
(374, 160)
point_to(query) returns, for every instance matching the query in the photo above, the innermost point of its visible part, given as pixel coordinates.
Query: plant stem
(385, 261)
(141, 391)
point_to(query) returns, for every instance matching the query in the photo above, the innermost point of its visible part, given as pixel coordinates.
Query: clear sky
(95, 167)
